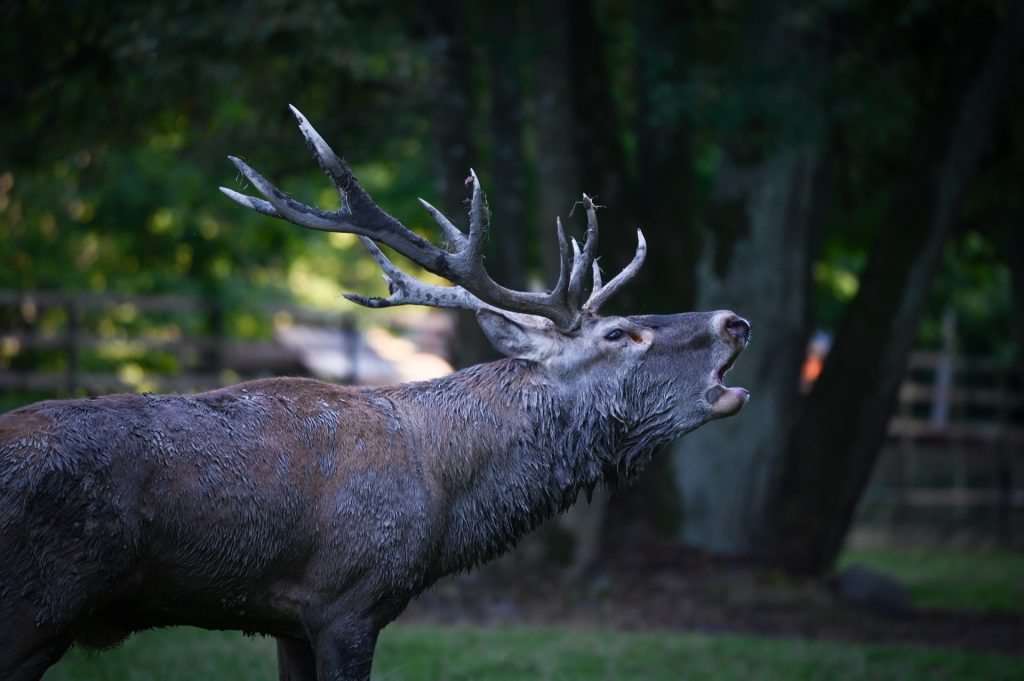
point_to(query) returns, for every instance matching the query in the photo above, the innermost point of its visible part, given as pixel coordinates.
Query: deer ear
(511, 338)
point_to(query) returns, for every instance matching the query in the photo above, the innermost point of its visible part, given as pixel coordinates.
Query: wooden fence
(952, 468)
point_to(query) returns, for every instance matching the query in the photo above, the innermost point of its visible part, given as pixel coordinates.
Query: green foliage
(975, 284)
(420, 653)
(126, 111)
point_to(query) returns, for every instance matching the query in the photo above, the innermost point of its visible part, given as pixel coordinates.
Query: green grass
(169, 654)
(967, 580)
(421, 653)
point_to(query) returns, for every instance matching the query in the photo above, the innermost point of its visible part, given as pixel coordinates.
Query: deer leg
(345, 653)
(295, 660)
(31, 665)
(27, 647)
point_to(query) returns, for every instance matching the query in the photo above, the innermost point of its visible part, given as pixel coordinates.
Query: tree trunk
(758, 247)
(507, 241)
(598, 138)
(836, 440)
(662, 204)
(757, 264)
(558, 177)
(453, 122)
(558, 188)
(1014, 253)
(1008, 223)
(664, 187)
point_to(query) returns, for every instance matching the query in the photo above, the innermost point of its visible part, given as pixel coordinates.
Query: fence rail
(952, 467)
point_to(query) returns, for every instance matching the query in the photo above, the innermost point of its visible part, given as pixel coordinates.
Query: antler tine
(453, 234)
(251, 202)
(479, 215)
(601, 294)
(358, 215)
(407, 290)
(283, 206)
(575, 254)
(564, 264)
(358, 205)
(330, 163)
(583, 261)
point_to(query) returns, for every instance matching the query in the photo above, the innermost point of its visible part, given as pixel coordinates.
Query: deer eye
(613, 335)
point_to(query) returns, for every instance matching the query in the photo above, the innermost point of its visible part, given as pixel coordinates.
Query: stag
(314, 512)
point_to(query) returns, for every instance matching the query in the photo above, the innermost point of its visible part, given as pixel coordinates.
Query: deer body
(313, 512)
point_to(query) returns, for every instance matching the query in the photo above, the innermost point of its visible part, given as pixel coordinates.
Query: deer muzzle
(727, 401)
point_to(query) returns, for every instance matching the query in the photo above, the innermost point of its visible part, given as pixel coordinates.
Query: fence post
(945, 370)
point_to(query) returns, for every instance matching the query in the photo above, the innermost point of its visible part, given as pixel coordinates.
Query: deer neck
(507, 450)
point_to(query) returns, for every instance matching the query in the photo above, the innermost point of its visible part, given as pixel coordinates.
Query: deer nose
(738, 328)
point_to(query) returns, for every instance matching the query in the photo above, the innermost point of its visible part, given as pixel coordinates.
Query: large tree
(835, 442)
(758, 248)
(783, 481)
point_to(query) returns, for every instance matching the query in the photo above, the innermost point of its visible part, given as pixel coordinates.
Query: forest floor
(678, 589)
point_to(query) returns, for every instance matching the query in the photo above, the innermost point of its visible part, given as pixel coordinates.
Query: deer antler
(462, 264)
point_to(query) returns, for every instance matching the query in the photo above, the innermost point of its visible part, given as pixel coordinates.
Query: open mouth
(726, 401)
(720, 375)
